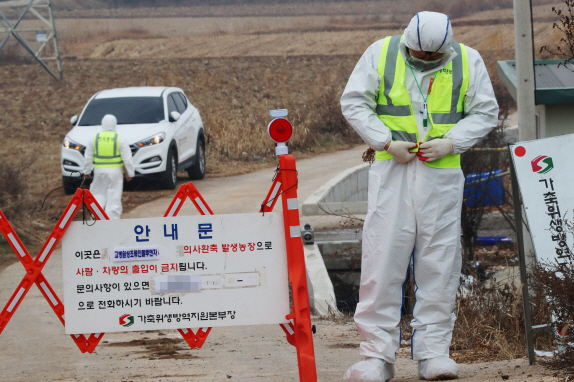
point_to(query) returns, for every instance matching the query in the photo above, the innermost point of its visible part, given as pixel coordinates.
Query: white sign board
(544, 170)
(41, 37)
(174, 273)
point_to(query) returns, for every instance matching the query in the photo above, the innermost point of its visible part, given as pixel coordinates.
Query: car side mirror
(74, 120)
(174, 116)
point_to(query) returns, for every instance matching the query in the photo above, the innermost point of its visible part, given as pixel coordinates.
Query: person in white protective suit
(419, 100)
(107, 154)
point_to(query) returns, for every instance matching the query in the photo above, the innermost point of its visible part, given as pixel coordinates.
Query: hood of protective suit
(429, 32)
(109, 123)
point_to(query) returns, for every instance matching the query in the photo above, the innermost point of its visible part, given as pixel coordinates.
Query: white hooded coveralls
(413, 210)
(108, 183)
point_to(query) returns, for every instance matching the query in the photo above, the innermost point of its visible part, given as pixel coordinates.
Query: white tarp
(173, 273)
(544, 169)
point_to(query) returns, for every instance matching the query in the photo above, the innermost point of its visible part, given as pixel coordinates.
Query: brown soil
(161, 348)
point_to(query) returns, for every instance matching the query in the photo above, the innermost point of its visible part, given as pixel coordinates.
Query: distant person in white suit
(107, 155)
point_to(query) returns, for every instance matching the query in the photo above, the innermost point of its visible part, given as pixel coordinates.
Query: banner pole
(297, 273)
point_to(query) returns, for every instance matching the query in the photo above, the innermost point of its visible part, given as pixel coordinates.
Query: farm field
(233, 68)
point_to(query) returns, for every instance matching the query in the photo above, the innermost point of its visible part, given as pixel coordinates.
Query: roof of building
(554, 84)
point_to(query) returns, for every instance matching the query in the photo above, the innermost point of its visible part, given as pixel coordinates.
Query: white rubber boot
(440, 368)
(370, 370)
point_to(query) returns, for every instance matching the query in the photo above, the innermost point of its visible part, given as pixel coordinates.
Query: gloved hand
(435, 149)
(400, 151)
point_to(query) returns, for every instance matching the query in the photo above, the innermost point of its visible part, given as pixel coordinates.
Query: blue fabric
(412, 313)
(445, 36)
(419, 31)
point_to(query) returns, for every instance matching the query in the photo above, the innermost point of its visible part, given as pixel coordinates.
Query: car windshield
(127, 110)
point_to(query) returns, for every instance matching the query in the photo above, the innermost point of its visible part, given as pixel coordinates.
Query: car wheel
(197, 171)
(170, 174)
(70, 185)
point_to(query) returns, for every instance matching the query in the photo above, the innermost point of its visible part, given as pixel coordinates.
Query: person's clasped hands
(400, 150)
(434, 150)
(428, 151)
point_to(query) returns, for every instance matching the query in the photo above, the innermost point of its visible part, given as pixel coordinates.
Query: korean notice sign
(544, 169)
(173, 273)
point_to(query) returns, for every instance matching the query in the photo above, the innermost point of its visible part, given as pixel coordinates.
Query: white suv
(163, 129)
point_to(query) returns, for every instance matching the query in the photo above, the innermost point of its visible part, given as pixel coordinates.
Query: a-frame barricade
(194, 340)
(298, 331)
(34, 266)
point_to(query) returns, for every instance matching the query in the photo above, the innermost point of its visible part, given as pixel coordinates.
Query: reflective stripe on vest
(445, 102)
(107, 150)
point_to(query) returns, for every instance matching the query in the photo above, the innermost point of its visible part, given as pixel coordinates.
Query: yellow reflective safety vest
(107, 150)
(445, 103)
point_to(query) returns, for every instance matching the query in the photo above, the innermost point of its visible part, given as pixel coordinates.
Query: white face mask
(422, 65)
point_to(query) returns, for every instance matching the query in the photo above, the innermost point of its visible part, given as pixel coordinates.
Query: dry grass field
(233, 95)
(386, 9)
(287, 29)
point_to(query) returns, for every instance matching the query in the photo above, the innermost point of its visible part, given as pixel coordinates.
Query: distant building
(554, 95)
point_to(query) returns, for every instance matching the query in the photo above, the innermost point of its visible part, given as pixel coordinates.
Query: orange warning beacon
(299, 330)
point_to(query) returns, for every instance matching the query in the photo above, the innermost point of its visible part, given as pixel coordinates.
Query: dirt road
(34, 347)
(244, 193)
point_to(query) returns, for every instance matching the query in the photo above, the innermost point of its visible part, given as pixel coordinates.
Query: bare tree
(476, 162)
(566, 27)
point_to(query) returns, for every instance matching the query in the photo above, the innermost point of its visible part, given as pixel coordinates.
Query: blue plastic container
(485, 193)
(492, 240)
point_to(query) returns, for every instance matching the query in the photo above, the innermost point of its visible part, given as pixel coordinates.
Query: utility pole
(527, 131)
(525, 93)
(525, 82)
(42, 10)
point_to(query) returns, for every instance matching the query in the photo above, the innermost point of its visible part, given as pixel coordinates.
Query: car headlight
(69, 144)
(158, 138)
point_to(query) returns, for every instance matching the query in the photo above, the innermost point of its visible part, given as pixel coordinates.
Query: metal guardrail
(490, 149)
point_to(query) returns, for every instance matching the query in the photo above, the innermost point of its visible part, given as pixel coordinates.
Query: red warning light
(280, 130)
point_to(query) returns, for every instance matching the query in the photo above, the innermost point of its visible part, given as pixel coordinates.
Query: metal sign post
(522, 259)
(42, 35)
(541, 176)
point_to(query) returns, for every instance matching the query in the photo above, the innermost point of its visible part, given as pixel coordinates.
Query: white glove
(400, 151)
(435, 149)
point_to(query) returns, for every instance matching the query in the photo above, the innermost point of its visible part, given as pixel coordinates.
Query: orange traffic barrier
(34, 266)
(298, 331)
